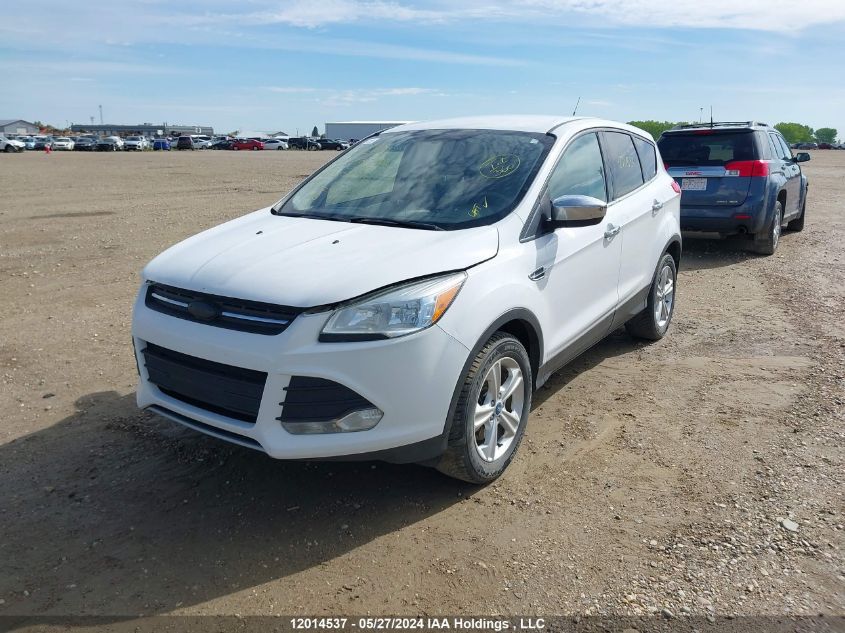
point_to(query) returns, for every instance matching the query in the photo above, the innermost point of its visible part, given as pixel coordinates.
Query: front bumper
(411, 379)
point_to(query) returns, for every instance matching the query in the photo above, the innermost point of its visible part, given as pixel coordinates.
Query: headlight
(395, 312)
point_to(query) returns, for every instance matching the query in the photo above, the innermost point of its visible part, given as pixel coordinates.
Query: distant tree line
(798, 133)
(792, 132)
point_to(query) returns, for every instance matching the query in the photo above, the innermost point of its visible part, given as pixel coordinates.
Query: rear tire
(797, 224)
(652, 323)
(491, 414)
(766, 242)
(9, 149)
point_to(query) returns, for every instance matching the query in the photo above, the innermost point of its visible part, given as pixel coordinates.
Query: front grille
(319, 400)
(231, 391)
(233, 314)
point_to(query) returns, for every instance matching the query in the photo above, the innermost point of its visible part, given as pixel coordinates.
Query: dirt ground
(653, 478)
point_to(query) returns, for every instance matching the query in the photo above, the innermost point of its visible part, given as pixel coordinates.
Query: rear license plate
(694, 184)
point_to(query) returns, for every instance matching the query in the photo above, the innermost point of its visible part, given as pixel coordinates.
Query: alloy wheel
(665, 296)
(776, 229)
(499, 409)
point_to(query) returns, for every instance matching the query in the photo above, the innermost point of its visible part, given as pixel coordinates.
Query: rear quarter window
(648, 157)
(622, 161)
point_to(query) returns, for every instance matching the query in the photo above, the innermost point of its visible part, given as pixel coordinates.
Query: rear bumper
(749, 217)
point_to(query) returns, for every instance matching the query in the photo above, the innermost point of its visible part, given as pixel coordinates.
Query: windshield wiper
(292, 214)
(312, 216)
(403, 223)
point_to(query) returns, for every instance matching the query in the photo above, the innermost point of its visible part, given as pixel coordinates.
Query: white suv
(139, 143)
(404, 301)
(10, 145)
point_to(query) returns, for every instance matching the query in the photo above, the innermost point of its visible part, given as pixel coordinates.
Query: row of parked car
(818, 146)
(186, 142)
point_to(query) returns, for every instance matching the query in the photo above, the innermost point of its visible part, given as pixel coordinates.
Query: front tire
(766, 242)
(652, 323)
(492, 412)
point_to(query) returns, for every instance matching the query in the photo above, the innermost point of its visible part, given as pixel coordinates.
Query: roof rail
(689, 126)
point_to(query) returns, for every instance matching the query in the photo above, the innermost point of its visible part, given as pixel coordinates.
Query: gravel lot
(699, 475)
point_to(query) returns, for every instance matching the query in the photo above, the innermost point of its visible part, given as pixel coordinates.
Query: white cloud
(291, 90)
(763, 15)
(310, 14)
(334, 98)
(61, 67)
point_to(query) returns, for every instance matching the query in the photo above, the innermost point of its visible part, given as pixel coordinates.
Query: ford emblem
(203, 311)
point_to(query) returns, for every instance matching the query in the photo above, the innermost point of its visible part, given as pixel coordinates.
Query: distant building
(142, 129)
(17, 127)
(349, 130)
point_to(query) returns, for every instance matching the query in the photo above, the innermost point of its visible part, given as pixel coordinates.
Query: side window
(580, 170)
(622, 162)
(648, 158)
(787, 153)
(776, 146)
(764, 148)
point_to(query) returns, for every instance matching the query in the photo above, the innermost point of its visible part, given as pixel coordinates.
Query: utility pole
(700, 114)
(101, 114)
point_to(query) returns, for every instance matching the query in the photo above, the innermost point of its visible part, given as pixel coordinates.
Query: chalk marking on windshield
(476, 208)
(499, 166)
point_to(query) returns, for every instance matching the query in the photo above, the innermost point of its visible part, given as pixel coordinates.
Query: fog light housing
(362, 420)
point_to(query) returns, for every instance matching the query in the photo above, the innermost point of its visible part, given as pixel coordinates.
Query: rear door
(636, 204)
(714, 167)
(791, 172)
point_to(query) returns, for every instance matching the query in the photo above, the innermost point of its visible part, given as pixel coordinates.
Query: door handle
(656, 206)
(611, 231)
(538, 274)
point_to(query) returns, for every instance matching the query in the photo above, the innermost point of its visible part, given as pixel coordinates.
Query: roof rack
(689, 126)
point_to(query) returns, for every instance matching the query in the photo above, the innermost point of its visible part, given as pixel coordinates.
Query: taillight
(676, 187)
(747, 168)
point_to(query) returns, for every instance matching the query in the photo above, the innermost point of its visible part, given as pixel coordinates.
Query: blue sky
(267, 65)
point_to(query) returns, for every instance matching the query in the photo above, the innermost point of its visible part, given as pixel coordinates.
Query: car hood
(305, 263)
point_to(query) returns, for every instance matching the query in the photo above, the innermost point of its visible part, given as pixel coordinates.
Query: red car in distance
(246, 143)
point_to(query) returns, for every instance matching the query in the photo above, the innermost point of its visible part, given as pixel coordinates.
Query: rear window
(704, 147)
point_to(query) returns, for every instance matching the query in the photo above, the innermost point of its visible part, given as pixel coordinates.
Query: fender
(777, 185)
(536, 356)
(674, 239)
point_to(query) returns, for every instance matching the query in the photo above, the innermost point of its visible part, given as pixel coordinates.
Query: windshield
(446, 179)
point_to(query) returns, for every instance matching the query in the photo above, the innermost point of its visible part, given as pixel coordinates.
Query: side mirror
(802, 157)
(577, 211)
